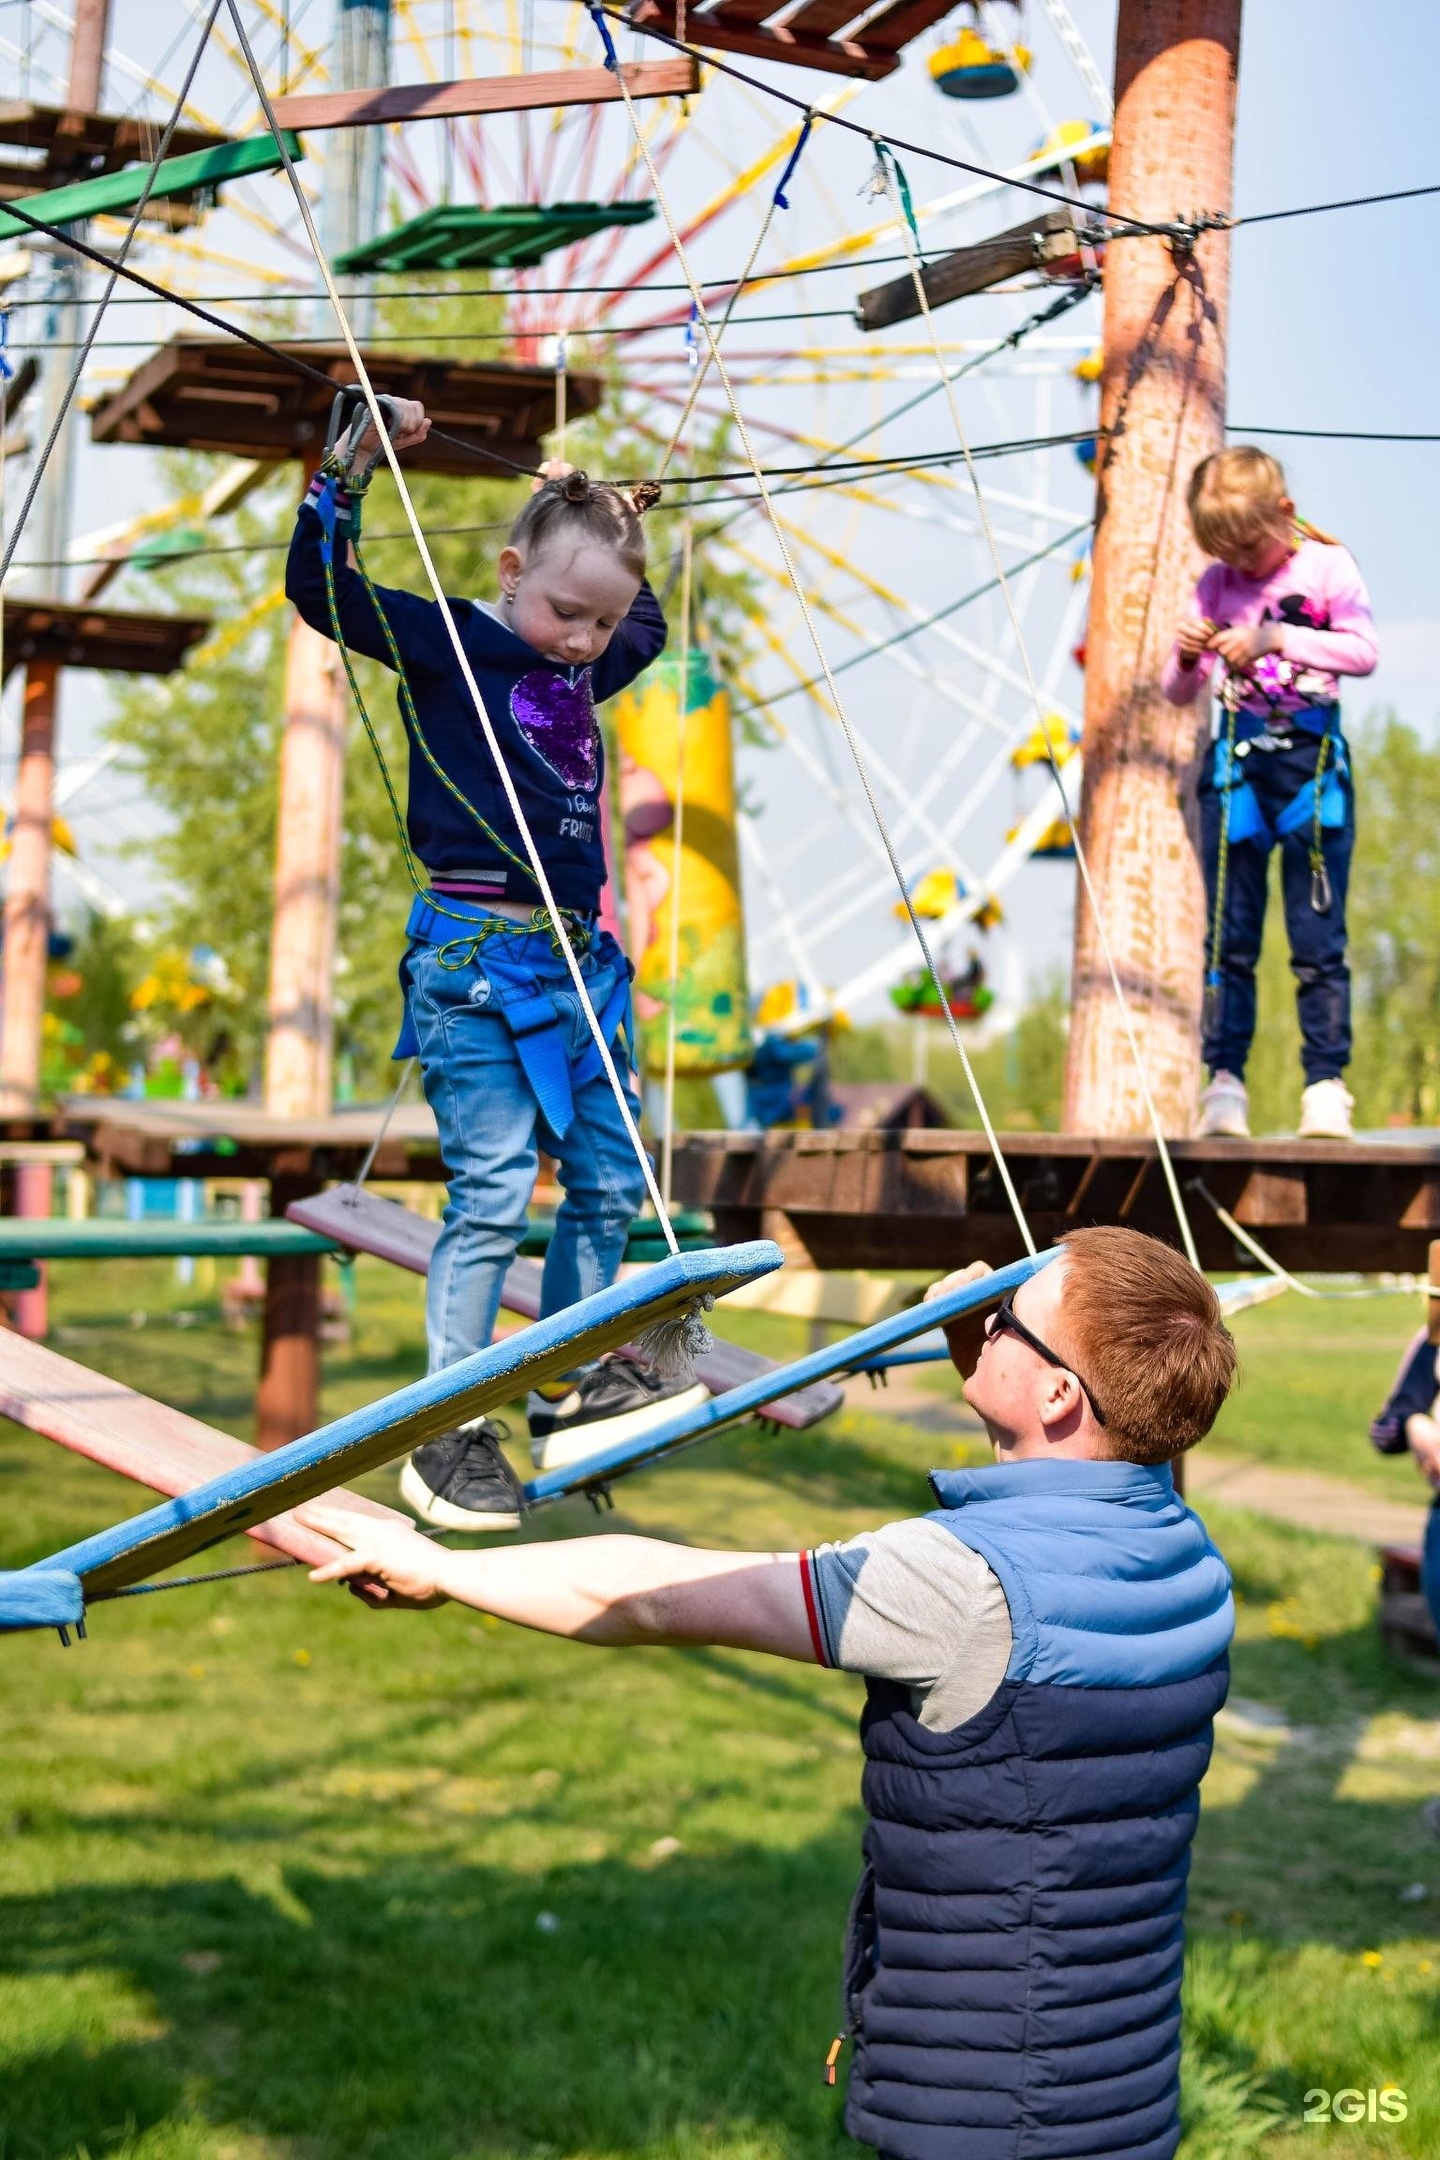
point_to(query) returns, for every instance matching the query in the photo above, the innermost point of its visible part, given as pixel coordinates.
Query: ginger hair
(1146, 1330)
(1236, 496)
(580, 510)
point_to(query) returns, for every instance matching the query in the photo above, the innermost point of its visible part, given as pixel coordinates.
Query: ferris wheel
(871, 509)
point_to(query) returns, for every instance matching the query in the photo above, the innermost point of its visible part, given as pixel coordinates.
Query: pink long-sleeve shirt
(1319, 597)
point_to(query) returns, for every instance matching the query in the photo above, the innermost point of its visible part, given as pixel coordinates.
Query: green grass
(279, 1876)
(1312, 1375)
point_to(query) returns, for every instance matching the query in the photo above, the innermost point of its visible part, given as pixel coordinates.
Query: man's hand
(1193, 638)
(965, 1335)
(407, 1564)
(1243, 645)
(1423, 1434)
(411, 425)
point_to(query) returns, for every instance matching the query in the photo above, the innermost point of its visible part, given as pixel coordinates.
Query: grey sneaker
(618, 1399)
(461, 1481)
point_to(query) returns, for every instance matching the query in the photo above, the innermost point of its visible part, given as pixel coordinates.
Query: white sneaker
(1224, 1110)
(1327, 1111)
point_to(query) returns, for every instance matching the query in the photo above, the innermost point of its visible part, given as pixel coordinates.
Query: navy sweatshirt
(543, 716)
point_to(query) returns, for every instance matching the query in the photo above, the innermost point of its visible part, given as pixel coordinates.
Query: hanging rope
(677, 873)
(893, 182)
(852, 739)
(537, 866)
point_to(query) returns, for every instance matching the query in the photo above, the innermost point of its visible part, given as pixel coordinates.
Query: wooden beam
(1037, 245)
(486, 94)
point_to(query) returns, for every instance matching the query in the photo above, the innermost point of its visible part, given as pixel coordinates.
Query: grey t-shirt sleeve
(911, 1603)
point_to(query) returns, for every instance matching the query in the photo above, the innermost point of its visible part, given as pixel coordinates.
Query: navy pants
(1317, 942)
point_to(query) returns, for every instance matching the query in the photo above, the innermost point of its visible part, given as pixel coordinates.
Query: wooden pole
(299, 1053)
(1162, 410)
(27, 948)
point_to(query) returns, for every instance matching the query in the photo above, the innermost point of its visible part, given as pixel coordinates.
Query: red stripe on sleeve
(811, 1614)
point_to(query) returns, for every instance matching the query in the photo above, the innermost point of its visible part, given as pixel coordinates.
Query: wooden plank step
(158, 1447)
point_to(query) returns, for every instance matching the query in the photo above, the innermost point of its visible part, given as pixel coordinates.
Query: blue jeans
(491, 1131)
(1317, 942)
(1430, 1563)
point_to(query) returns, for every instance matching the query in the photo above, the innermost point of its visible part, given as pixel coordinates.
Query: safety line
(558, 928)
(856, 750)
(1118, 230)
(900, 637)
(677, 852)
(1321, 434)
(65, 238)
(384, 1126)
(67, 399)
(543, 292)
(1272, 1266)
(1353, 202)
(889, 170)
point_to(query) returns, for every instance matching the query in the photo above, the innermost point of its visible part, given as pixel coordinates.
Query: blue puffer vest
(1014, 1958)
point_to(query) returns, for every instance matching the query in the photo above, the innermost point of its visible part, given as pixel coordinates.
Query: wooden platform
(241, 1140)
(932, 1199)
(122, 641)
(537, 89)
(834, 35)
(215, 394)
(81, 144)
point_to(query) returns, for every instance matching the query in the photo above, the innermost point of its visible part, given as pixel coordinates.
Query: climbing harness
(511, 985)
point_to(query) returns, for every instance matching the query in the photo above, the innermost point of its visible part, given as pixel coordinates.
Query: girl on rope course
(490, 1009)
(1283, 612)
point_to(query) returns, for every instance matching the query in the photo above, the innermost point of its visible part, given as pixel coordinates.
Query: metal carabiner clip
(344, 409)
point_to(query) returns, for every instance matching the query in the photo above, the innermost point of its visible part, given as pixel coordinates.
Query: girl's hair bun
(576, 486)
(644, 495)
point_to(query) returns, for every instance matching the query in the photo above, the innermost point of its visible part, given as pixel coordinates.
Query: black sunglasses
(1004, 1316)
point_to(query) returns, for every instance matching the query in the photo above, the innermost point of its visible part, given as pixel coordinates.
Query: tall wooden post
(1162, 410)
(300, 1050)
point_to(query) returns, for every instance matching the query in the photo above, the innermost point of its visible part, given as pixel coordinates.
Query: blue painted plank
(40, 1597)
(257, 1490)
(741, 1401)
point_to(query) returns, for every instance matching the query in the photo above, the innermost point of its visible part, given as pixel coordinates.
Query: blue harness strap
(1246, 819)
(523, 994)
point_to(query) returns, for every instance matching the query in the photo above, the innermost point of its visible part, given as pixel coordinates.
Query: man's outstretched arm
(604, 1590)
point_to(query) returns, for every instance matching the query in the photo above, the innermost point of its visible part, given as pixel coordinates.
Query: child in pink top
(1278, 619)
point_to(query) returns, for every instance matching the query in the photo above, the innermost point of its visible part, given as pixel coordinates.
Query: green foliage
(1021, 1076)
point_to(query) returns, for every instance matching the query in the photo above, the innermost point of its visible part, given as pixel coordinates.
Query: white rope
(562, 936)
(885, 162)
(677, 841)
(852, 739)
(1281, 1274)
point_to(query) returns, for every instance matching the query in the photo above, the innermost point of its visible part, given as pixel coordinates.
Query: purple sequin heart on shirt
(557, 719)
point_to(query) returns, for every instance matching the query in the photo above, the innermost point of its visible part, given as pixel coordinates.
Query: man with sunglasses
(1044, 1654)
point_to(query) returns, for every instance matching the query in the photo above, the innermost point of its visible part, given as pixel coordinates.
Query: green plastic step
(111, 192)
(646, 1241)
(512, 236)
(105, 1237)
